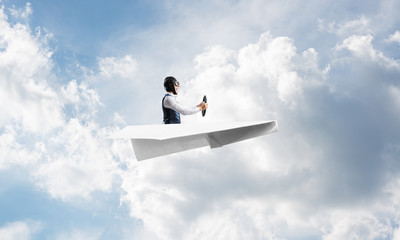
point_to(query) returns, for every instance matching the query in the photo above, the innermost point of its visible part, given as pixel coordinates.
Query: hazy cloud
(22, 13)
(360, 25)
(395, 37)
(19, 230)
(77, 234)
(125, 67)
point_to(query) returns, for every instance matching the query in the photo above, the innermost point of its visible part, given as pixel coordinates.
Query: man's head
(171, 85)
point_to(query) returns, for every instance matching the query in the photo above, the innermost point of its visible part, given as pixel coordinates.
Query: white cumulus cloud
(25, 64)
(298, 182)
(81, 165)
(48, 127)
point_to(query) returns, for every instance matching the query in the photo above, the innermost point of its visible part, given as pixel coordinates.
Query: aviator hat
(169, 83)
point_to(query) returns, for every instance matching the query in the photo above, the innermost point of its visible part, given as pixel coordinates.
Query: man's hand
(202, 106)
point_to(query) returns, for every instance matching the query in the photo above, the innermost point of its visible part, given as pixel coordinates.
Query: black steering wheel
(205, 101)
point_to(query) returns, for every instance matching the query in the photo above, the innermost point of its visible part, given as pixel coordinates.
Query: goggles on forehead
(177, 84)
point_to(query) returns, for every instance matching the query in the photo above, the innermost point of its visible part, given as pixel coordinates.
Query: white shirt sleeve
(170, 102)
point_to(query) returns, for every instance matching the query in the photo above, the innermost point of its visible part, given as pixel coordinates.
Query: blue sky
(74, 72)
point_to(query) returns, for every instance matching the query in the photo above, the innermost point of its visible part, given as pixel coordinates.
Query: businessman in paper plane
(151, 141)
(172, 109)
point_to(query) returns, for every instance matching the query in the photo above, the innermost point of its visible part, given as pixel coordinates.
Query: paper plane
(151, 141)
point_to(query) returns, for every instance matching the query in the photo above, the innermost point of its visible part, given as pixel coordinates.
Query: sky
(72, 73)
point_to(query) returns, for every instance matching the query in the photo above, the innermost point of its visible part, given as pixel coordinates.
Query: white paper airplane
(151, 141)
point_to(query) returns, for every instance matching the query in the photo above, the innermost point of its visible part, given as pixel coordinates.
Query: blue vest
(170, 116)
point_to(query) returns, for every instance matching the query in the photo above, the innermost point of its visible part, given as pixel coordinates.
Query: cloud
(395, 37)
(264, 80)
(118, 67)
(48, 127)
(357, 225)
(19, 230)
(12, 152)
(396, 234)
(268, 73)
(22, 13)
(84, 101)
(83, 164)
(361, 46)
(25, 65)
(80, 235)
(80, 150)
(336, 141)
(394, 92)
(361, 25)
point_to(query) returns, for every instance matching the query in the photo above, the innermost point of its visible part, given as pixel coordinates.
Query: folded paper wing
(151, 141)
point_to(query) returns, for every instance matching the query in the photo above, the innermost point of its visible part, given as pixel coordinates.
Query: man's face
(176, 86)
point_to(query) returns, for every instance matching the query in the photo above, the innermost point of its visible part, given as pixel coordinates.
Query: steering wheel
(205, 101)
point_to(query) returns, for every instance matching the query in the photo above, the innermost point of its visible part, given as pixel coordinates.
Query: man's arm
(170, 102)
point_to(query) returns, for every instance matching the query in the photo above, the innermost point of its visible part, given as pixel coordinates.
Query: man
(171, 108)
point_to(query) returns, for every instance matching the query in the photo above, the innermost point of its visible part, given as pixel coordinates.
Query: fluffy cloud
(25, 64)
(264, 80)
(12, 152)
(339, 155)
(49, 127)
(362, 48)
(82, 164)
